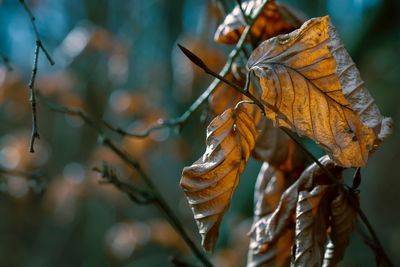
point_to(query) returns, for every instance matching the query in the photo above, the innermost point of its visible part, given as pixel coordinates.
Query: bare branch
(39, 42)
(137, 195)
(32, 98)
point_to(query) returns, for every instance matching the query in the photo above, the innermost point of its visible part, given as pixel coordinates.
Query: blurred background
(118, 60)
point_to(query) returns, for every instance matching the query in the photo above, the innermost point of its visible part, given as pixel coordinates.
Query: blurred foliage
(118, 61)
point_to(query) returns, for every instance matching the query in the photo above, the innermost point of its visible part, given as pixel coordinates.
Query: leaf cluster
(307, 84)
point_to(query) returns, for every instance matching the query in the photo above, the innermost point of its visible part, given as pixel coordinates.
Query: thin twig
(177, 262)
(32, 98)
(137, 195)
(36, 32)
(16, 173)
(244, 15)
(134, 164)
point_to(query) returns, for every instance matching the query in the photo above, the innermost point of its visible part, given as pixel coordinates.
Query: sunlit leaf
(275, 19)
(311, 86)
(210, 182)
(343, 219)
(311, 225)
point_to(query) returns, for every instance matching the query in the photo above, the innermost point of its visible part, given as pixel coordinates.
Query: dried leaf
(269, 228)
(276, 254)
(343, 219)
(275, 19)
(311, 86)
(278, 149)
(209, 183)
(311, 225)
(269, 188)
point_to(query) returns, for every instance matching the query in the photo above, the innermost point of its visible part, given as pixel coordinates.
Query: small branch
(32, 99)
(356, 180)
(137, 195)
(6, 62)
(179, 262)
(376, 244)
(245, 17)
(16, 173)
(145, 133)
(39, 42)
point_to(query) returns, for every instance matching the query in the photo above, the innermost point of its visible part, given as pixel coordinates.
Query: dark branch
(137, 195)
(36, 32)
(356, 179)
(32, 99)
(179, 262)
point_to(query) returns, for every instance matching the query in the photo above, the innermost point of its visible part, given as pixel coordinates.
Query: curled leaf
(278, 149)
(267, 229)
(311, 86)
(311, 225)
(343, 219)
(269, 187)
(210, 182)
(275, 19)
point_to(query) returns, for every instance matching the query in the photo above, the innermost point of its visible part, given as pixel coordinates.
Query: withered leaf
(311, 86)
(268, 190)
(269, 187)
(276, 18)
(210, 182)
(343, 219)
(270, 227)
(277, 148)
(311, 225)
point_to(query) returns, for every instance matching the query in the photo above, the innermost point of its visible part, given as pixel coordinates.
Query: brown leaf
(275, 19)
(343, 219)
(311, 225)
(277, 148)
(311, 86)
(269, 188)
(266, 230)
(210, 181)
